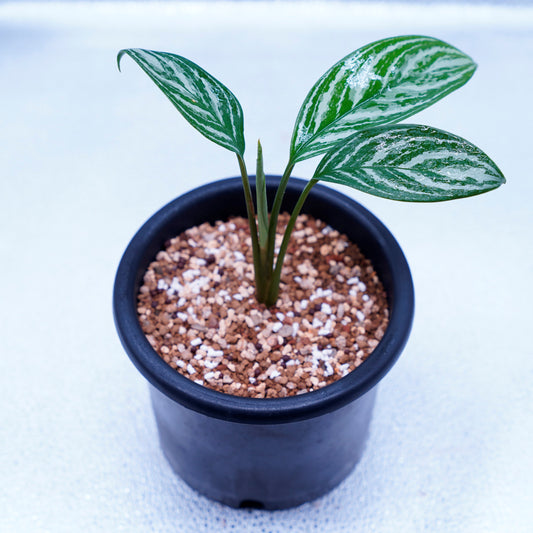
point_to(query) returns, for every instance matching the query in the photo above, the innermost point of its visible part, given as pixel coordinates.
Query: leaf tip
(473, 66)
(119, 57)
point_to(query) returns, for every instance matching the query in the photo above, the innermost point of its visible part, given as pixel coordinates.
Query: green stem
(258, 270)
(273, 289)
(276, 206)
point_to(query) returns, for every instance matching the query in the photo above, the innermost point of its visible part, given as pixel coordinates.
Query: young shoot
(350, 117)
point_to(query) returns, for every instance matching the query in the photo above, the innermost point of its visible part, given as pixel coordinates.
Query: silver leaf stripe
(381, 83)
(204, 102)
(410, 163)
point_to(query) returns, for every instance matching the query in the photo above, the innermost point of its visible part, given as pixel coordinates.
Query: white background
(87, 154)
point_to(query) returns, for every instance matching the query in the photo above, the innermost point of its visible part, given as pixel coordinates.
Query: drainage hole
(251, 504)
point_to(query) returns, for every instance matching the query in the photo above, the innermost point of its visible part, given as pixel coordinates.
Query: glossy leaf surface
(208, 105)
(381, 83)
(410, 163)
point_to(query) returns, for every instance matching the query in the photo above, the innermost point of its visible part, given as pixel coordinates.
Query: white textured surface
(87, 154)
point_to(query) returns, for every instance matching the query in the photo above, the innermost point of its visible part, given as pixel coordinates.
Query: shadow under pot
(263, 453)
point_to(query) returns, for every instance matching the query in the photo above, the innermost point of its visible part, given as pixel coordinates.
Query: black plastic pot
(264, 453)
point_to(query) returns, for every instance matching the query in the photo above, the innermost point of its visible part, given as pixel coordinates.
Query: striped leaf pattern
(381, 83)
(410, 163)
(204, 102)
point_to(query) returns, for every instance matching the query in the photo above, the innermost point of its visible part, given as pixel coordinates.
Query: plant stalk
(273, 288)
(274, 214)
(260, 287)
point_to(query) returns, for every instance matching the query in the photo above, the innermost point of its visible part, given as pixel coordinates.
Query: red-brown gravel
(198, 310)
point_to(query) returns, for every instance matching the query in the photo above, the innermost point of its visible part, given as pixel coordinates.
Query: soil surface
(198, 310)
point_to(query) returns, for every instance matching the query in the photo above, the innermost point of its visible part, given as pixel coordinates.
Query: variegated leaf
(410, 163)
(381, 83)
(204, 102)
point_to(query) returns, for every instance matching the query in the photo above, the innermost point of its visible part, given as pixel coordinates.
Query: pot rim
(258, 410)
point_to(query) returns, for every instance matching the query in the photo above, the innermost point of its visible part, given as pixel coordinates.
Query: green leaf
(410, 163)
(204, 102)
(262, 206)
(381, 83)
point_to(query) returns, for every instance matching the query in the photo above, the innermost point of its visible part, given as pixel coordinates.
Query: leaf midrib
(385, 167)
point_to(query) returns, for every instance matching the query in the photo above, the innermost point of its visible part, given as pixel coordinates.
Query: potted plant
(278, 452)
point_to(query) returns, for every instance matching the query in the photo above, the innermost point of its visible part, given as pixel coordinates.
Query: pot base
(266, 466)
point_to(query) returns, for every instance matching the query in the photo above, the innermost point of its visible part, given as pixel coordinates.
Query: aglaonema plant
(349, 115)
